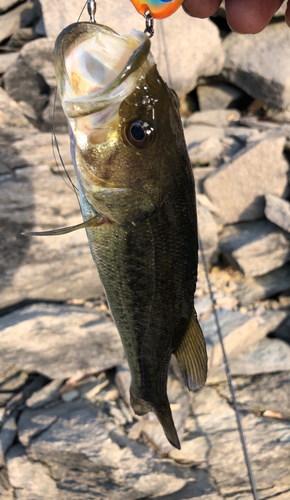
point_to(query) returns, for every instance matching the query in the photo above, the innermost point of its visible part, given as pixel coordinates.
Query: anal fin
(191, 355)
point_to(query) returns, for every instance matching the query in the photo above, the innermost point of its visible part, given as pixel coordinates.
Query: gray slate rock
(10, 115)
(255, 247)
(212, 437)
(60, 340)
(6, 491)
(35, 67)
(257, 64)
(251, 289)
(47, 394)
(283, 330)
(32, 481)
(19, 17)
(208, 232)
(218, 96)
(34, 89)
(7, 60)
(196, 134)
(262, 392)
(8, 4)
(237, 189)
(55, 268)
(7, 436)
(21, 37)
(278, 211)
(85, 437)
(205, 152)
(240, 342)
(217, 117)
(267, 356)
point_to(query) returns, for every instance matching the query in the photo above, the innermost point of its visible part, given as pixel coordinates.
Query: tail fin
(163, 414)
(191, 355)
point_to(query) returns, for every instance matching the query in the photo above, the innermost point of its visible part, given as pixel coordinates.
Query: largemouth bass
(138, 204)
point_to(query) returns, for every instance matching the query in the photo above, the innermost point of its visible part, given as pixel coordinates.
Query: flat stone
(208, 232)
(52, 268)
(267, 356)
(34, 89)
(195, 134)
(229, 321)
(277, 210)
(257, 65)
(251, 289)
(6, 490)
(255, 247)
(31, 480)
(230, 190)
(218, 96)
(8, 4)
(17, 402)
(83, 442)
(243, 338)
(19, 17)
(262, 393)
(38, 55)
(212, 427)
(10, 115)
(60, 340)
(283, 330)
(205, 152)
(7, 435)
(21, 37)
(24, 153)
(45, 395)
(7, 60)
(215, 117)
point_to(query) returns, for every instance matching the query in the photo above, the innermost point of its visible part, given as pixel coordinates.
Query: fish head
(123, 119)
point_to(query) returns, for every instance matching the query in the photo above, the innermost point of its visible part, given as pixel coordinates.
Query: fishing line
(82, 11)
(71, 185)
(226, 363)
(170, 83)
(229, 377)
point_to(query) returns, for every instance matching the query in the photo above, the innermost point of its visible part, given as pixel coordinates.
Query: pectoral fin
(96, 221)
(191, 355)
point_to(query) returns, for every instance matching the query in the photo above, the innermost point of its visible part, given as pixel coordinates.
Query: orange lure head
(159, 9)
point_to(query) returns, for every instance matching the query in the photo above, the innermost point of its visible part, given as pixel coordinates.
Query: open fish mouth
(97, 68)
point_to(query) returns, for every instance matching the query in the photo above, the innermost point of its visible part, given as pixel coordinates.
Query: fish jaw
(99, 121)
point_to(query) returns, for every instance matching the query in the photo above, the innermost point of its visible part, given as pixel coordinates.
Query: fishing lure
(159, 9)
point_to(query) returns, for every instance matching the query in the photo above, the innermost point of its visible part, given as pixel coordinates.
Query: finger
(201, 8)
(250, 16)
(287, 14)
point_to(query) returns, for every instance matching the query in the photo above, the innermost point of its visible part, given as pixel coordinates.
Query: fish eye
(139, 134)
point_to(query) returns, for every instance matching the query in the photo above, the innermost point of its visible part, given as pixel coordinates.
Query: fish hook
(149, 24)
(92, 9)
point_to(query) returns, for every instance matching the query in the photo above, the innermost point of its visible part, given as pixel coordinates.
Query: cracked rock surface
(67, 430)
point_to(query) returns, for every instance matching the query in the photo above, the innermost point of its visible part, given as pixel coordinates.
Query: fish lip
(85, 105)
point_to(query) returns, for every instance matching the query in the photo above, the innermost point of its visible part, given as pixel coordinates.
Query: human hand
(244, 16)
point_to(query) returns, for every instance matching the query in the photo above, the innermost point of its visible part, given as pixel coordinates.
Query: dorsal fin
(191, 355)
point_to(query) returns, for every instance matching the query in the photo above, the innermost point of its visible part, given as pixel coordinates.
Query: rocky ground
(67, 430)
